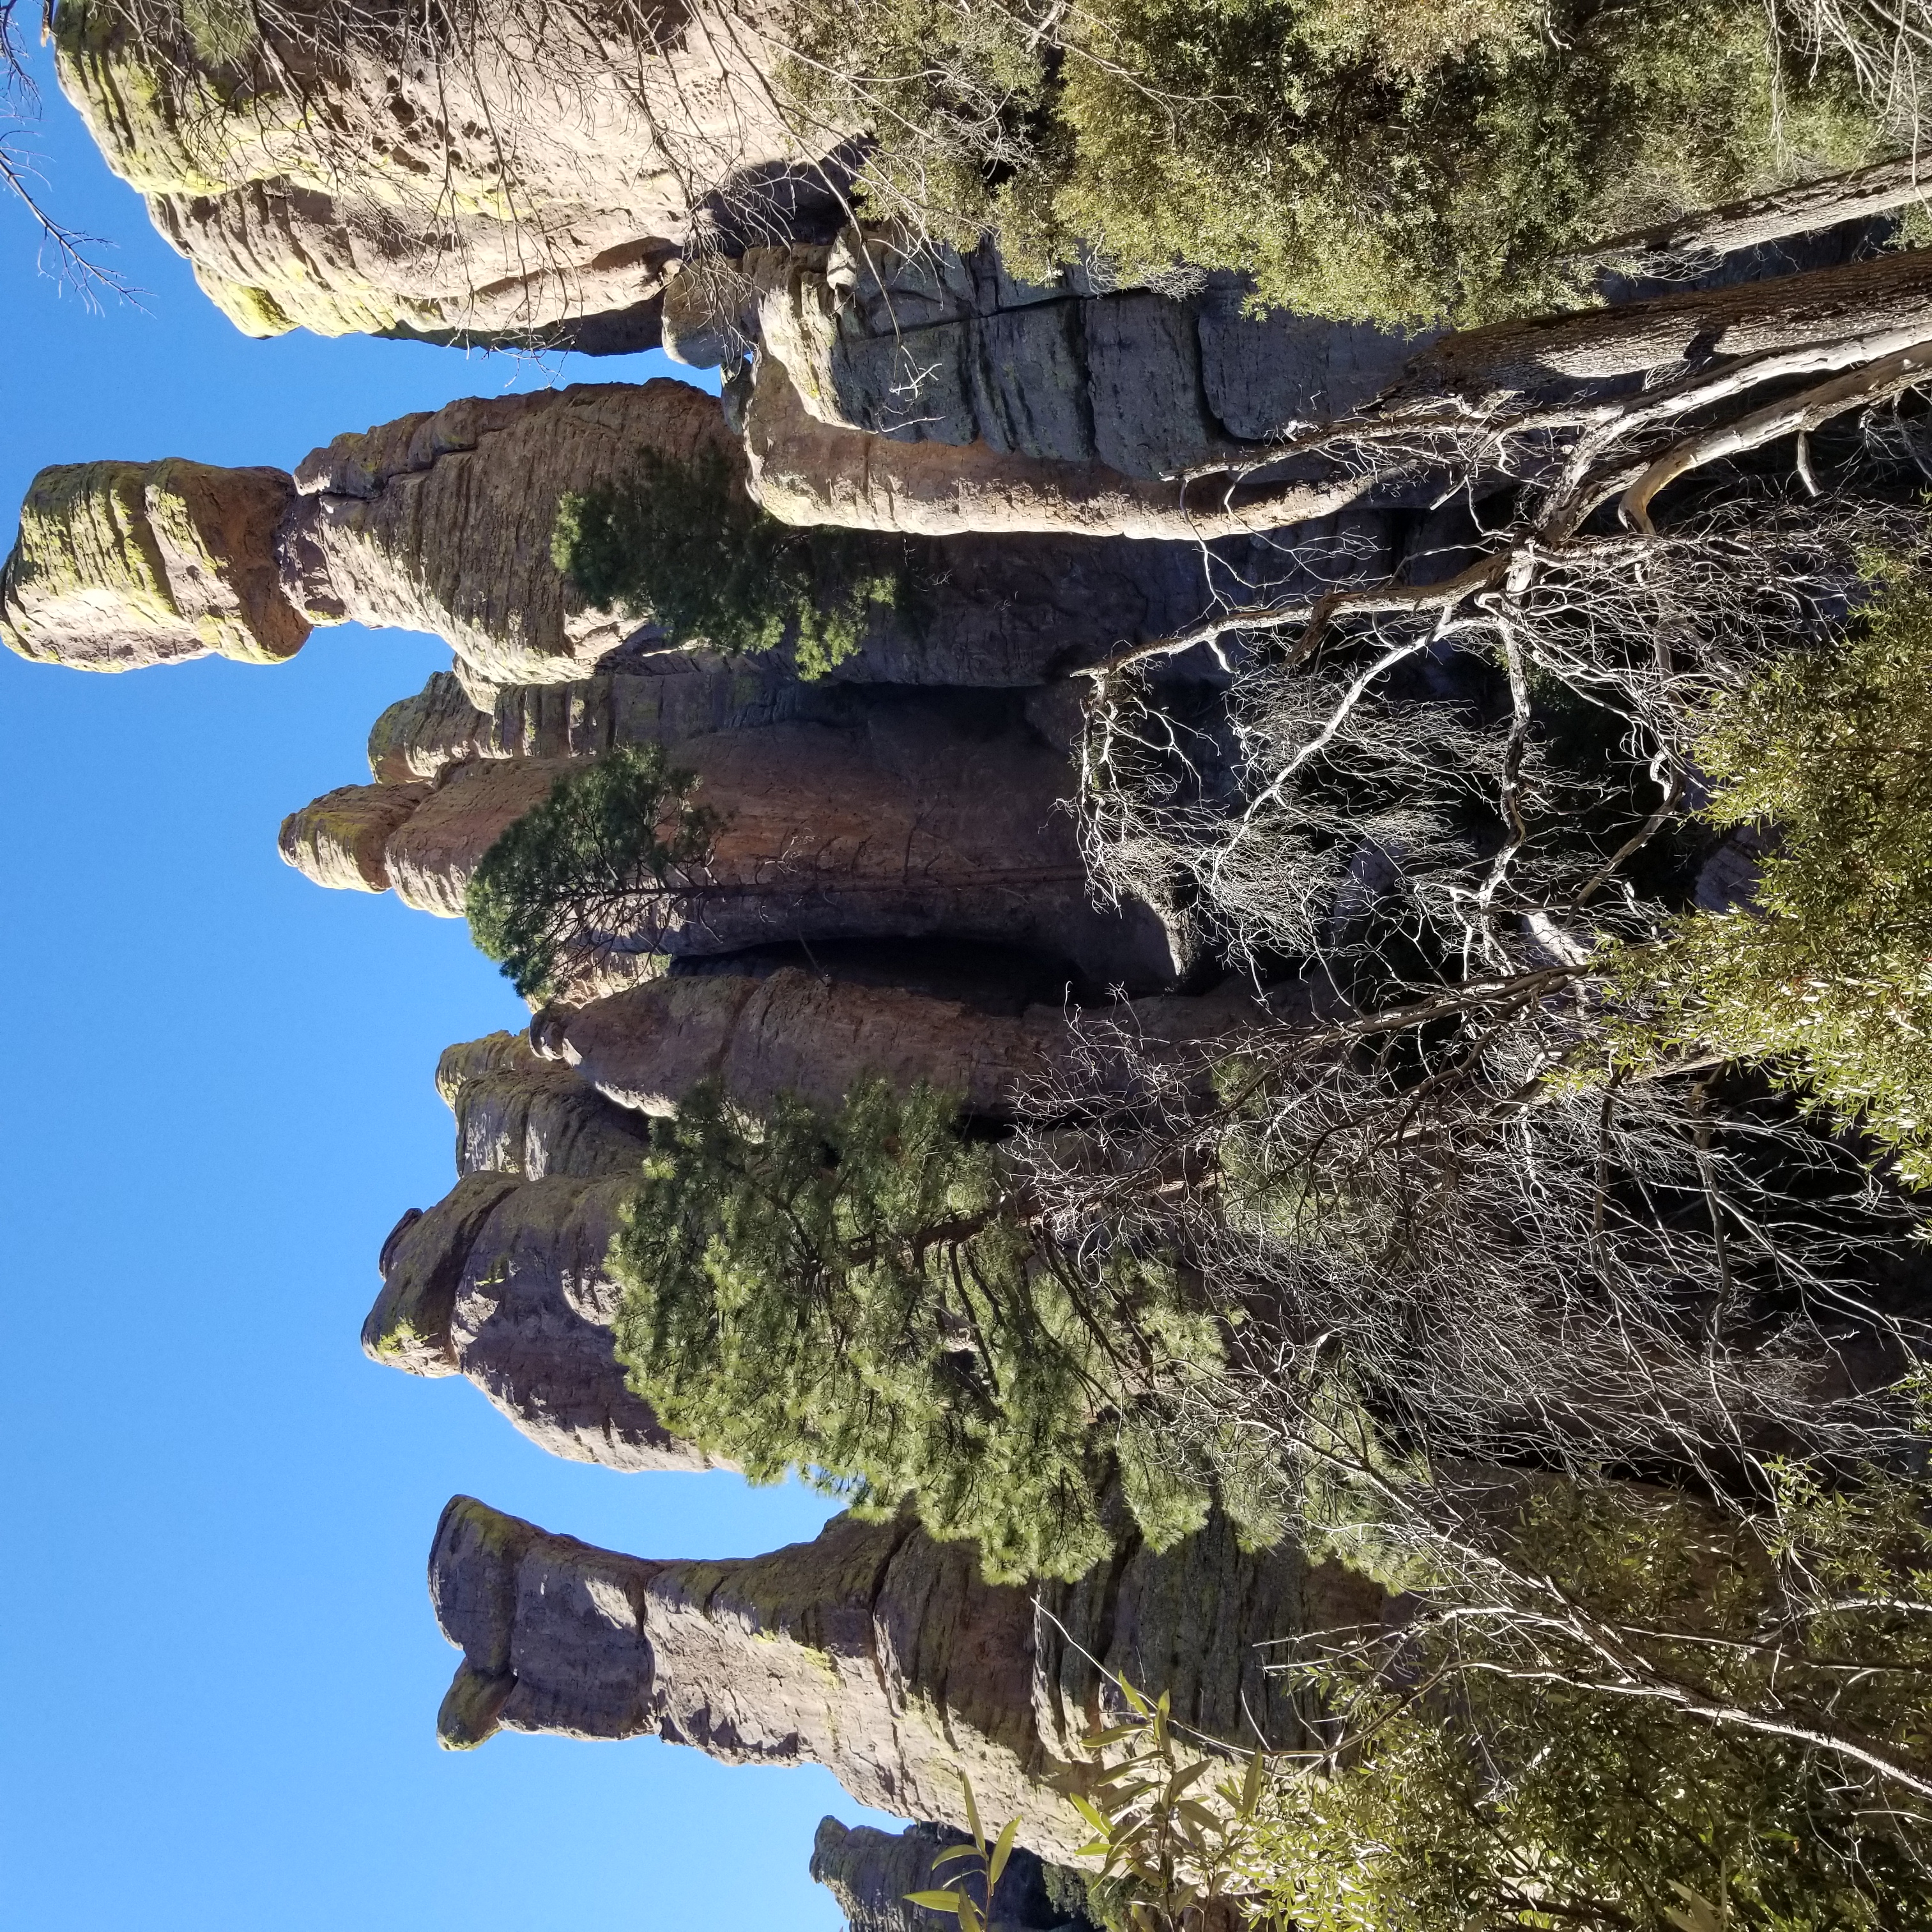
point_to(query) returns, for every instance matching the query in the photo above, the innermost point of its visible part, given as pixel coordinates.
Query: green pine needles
(679, 544)
(867, 1296)
(1407, 161)
(605, 864)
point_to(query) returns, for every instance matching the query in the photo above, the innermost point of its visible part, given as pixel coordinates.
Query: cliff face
(873, 1651)
(936, 347)
(512, 172)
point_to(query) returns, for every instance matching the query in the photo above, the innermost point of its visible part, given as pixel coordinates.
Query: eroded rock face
(807, 472)
(121, 565)
(438, 522)
(935, 347)
(442, 522)
(919, 817)
(818, 1037)
(503, 1281)
(506, 173)
(873, 1651)
(518, 1114)
(795, 1032)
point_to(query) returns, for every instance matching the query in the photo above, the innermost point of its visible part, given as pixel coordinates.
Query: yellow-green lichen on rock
(169, 119)
(341, 840)
(120, 565)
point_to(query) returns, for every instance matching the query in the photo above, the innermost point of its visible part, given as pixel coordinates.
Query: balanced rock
(442, 522)
(877, 1652)
(917, 819)
(437, 522)
(120, 565)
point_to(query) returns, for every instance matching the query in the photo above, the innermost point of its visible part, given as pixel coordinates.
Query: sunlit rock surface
(873, 1651)
(511, 173)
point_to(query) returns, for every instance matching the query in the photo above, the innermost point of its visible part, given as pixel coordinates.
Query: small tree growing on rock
(612, 857)
(680, 543)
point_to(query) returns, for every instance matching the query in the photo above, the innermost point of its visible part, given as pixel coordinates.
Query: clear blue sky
(221, 1667)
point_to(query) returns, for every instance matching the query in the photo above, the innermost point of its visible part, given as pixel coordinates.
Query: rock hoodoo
(509, 174)
(442, 522)
(439, 522)
(873, 1651)
(504, 1280)
(123, 564)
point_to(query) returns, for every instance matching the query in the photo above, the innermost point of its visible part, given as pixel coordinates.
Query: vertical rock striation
(873, 1651)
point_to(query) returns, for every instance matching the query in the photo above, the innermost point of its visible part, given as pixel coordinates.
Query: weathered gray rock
(805, 470)
(518, 1114)
(504, 1282)
(796, 1033)
(439, 522)
(442, 522)
(873, 1651)
(507, 173)
(871, 1873)
(660, 698)
(931, 347)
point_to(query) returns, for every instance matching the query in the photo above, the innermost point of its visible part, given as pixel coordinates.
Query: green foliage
(1494, 1775)
(1175, 1850)
(679, 544)
(1829, 976)
(605, 864)
(956, 1900)
(1404, 161)
(865, 1297)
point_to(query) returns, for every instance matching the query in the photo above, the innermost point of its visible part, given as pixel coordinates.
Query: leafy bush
(679, 544)
(1401, 160)
(863, 1296)
(1828, 976)
(1490, 1768)
(605, 863)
